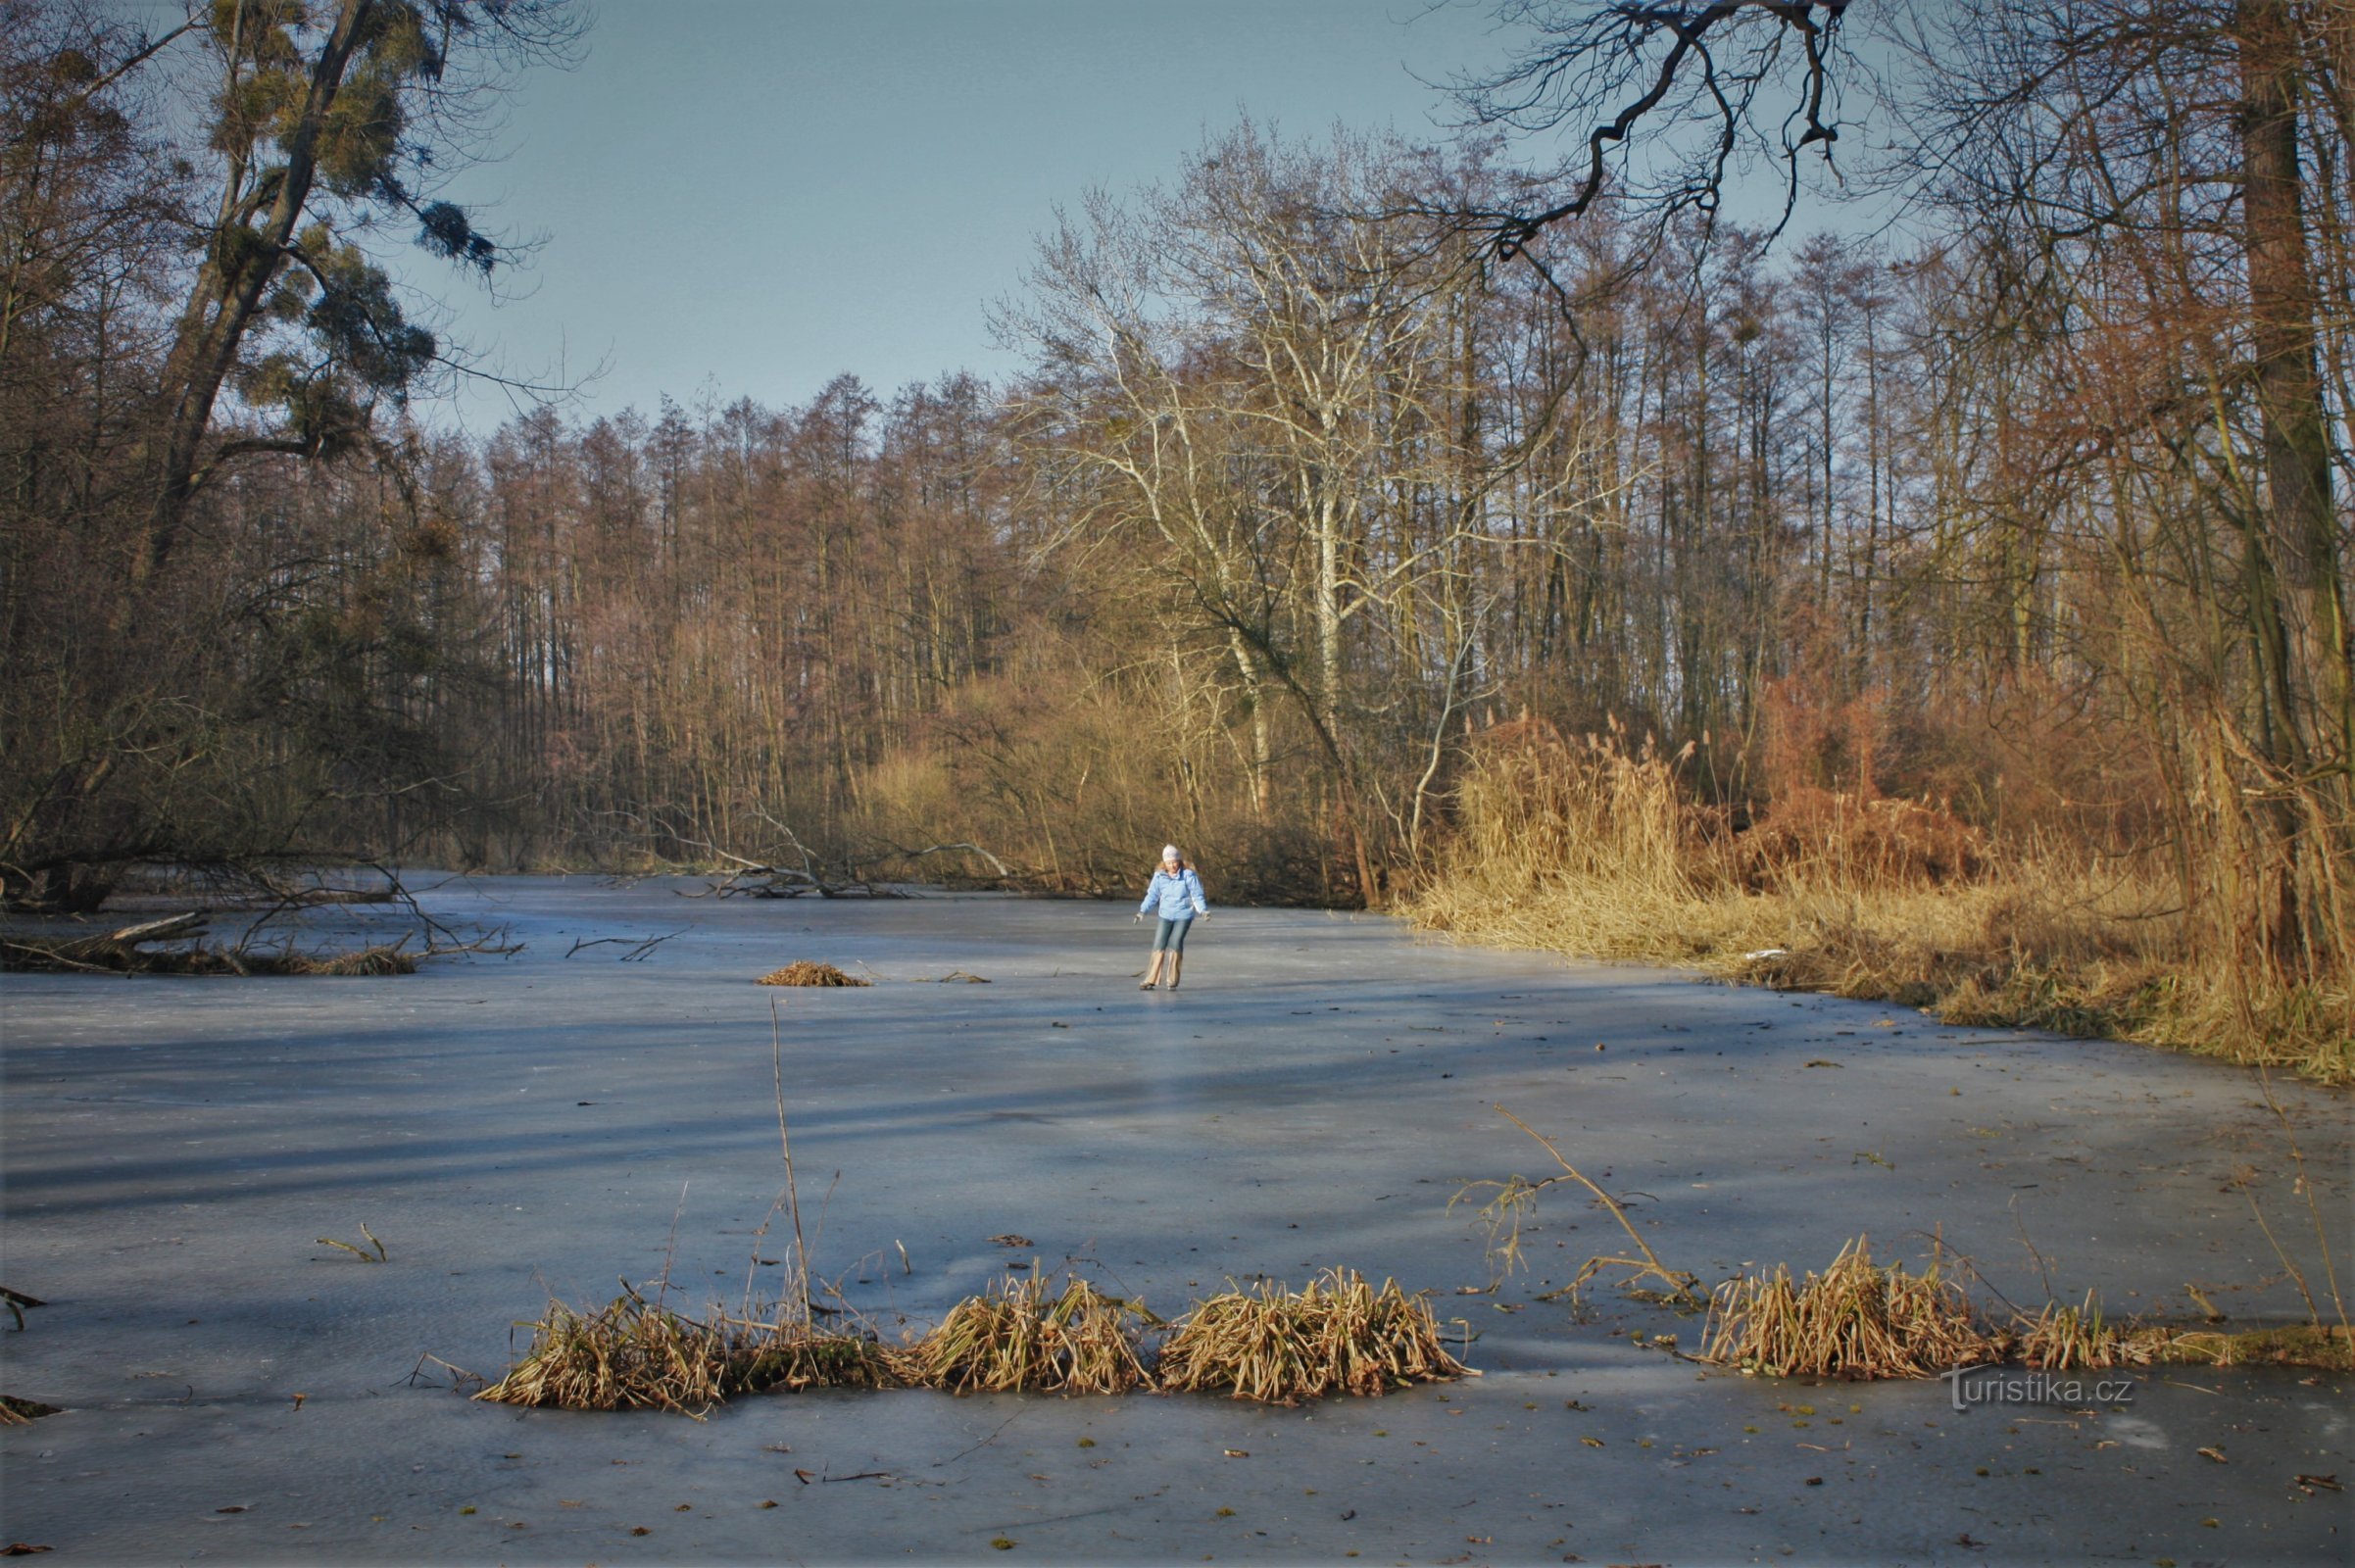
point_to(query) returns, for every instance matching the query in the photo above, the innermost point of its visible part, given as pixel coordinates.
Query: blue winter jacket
(1174, 898)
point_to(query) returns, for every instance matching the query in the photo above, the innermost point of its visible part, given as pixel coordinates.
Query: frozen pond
(1320, 1088)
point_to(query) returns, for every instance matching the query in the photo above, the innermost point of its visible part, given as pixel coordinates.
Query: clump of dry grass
(637, 1354)
(1014, 1335)
(1854, 1320)
(631, 1355)
(1337, 1336)
(805, 972)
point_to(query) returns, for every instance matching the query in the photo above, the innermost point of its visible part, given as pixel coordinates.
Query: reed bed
(805, 972)
(1017, 1336)
(1337, 1336)
(1597, 847)
(1858, 1319)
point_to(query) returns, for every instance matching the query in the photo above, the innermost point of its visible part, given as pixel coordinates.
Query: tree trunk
(2317, 723)
(237, 270)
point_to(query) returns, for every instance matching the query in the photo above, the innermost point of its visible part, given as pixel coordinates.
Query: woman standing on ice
(1175, 895)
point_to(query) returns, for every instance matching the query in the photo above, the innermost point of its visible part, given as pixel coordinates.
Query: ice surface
(1315, 1094)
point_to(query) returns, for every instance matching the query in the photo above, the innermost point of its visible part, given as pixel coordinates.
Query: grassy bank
(1597, 849)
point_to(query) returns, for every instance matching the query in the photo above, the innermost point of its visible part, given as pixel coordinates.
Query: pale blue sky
(761, 196)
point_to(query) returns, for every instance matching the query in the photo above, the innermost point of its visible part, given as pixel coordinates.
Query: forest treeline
(1954, 613)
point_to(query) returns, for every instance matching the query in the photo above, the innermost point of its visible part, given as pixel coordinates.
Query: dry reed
(1517, 1199)
(638, 1354)
(1854, 1320)
(1598, 848)
(1338, 1336)
(1013, 1337)
(793, 1355)
(2061, 1338)
(805, 972)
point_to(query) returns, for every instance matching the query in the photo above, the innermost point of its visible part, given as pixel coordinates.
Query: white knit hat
(1169, 851)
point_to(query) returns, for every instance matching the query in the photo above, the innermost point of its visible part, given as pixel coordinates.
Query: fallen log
(113, 951)
(126, 951)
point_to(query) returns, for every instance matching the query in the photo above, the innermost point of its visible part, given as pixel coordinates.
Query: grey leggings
(1171, 934)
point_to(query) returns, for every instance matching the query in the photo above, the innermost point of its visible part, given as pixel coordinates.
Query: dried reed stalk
(1515, 1198)
(1338, 1336)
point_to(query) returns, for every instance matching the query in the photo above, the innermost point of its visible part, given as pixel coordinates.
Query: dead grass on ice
(1339, 1335)
(808, 972)
(1862, 1320)
(1858, 1319)
(1018, 1335)
(635, 1353)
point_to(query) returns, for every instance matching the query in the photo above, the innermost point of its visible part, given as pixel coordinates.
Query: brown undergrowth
(1597, 847)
